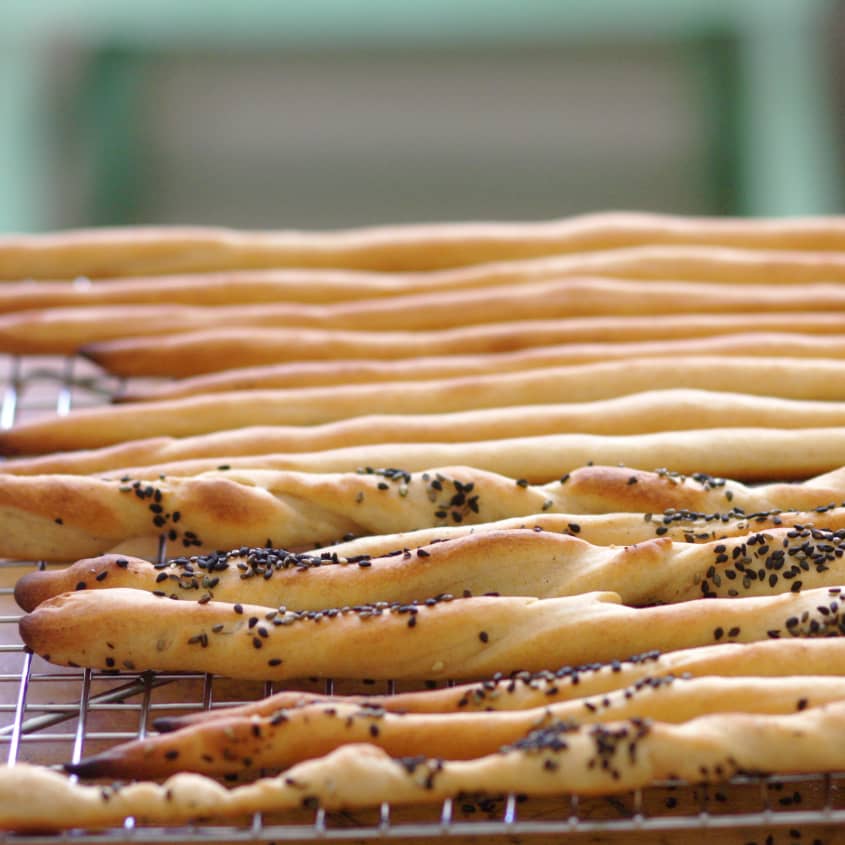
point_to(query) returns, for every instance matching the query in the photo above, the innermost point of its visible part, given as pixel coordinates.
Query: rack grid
(50, 715)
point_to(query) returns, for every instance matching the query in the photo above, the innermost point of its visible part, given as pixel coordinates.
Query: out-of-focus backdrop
(324, 113)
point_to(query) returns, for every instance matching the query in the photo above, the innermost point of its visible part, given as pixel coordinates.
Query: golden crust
(653, 411)
(811, 379)
(460, 638)
(150, 250)
(526, 690)
(271, 353)
(64, 330)
(600, 759)
(517, 562)
(61, 517)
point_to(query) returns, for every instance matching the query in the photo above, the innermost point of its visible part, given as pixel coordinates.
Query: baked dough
(750, 454)
(518, 562)
(68, 517)
(811, 378)
(619, 529)
(245, 744)
(432, 367)
(653, 411)
(593, 760)
(271, 351)
(152, 250)
(526, 690)
(64, 330)
(439, 638)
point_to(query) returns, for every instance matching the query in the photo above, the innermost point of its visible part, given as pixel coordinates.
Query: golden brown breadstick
(555, 760)
(433, 367)
(526, 690)
(274, 350)
(519, 562)
(638, 413)
(748, 454)
(64, 330)
(441, 637)
(810, 378)
(62, 517)
(243, 744)
(151, 250)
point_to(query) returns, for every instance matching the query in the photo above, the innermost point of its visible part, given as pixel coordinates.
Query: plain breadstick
(433, 367)
(64, 330)
(526, 690)
(151, 250)
(519, 562)
(65, 517)
(811, 378)
(653, 411)
(272, 351)
(238, 744)
(598, 759)
(441, 637)
(748, 454)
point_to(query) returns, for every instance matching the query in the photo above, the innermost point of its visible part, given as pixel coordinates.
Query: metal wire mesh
(50, 715)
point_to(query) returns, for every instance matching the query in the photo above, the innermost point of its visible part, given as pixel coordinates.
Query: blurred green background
(346, 112)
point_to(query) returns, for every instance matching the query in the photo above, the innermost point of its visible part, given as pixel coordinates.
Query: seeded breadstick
(749, 454)
(519, 562)
(244, 744)
(62, 517)
(272, 350)
(810, 378)
(150, 250)
(558, 759)
(64, 330)
(433, 367)
(618, 529)
(526, 690)
(441, 637)
(638, 413)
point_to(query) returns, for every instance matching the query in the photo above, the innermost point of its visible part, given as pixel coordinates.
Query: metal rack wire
(50, 715)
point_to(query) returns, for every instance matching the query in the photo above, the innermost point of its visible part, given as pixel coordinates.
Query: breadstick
(442, 637)
(275, 349)
(748, 454)
(638, 413)
(64, 330)
(62, 517)
(519, 562)
(526, 690)
(243, 744)
(810, 378)
(150, 250)
(433, 367)
(619, 529)
(598, 759)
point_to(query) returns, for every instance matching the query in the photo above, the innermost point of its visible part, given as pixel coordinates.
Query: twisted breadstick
(270, 352)
(153, 250)
(652, 411)
(64, 330)
(61, 517)
(442, 637)
(558, 759)
(812, 379)
(526, 690)
(519, 562)
(231, 745)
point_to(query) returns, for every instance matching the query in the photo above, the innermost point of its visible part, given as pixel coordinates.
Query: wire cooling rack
(50, 715)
